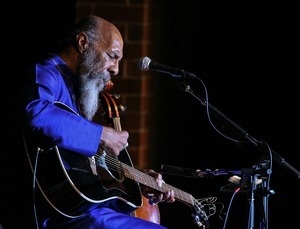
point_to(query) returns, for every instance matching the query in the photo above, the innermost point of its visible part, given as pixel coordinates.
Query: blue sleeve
(51, 111)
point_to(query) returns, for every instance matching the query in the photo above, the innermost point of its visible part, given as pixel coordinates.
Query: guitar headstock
(109, 109)
(203, 209)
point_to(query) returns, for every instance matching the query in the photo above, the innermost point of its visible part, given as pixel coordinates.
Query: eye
(111, 55)
(114, 56)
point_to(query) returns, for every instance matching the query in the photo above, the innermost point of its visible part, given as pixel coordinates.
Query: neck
(71, 58)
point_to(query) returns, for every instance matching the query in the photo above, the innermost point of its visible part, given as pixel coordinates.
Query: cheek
(105, 60)
(101, 64)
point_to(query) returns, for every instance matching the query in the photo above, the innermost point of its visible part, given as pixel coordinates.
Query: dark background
(246, 55)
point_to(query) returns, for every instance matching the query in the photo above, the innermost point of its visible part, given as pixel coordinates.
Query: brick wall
(136, 22)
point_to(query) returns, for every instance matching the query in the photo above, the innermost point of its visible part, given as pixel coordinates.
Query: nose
(114, 68)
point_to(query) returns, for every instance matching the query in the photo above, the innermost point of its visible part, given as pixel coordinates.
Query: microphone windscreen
(143, 63)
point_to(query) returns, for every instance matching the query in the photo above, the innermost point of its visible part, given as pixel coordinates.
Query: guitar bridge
(93, 165)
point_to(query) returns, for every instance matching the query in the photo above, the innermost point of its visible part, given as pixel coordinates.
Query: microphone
(145, 63)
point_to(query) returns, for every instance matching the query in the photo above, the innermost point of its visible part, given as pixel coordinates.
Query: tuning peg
(122, 107)
(116, 96)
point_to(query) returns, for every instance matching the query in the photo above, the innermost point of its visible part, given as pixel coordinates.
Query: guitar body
(74, 184)
(71, 186)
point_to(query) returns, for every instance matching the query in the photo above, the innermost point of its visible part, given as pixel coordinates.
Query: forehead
(117, 47)
(112, 41)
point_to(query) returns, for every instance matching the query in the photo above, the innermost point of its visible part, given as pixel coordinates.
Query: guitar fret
(149, 181)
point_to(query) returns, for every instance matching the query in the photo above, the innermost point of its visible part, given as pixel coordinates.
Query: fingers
(167, 197)
(156, 199)
(114, 141)
(157, 177)
(159, 182)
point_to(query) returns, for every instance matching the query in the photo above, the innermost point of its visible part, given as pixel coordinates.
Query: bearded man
(59, 102)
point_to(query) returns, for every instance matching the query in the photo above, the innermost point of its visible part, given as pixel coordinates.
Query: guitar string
(199, 204)
(119, 167)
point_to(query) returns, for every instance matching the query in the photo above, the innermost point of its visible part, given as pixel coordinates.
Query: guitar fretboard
(149, 181)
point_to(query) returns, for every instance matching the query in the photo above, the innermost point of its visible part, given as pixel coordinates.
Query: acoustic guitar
(74, 184)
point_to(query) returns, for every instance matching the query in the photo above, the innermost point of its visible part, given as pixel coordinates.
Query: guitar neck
(149, 181)
(141, 177)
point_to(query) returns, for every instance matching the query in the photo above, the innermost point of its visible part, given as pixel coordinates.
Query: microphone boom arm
(277, 158)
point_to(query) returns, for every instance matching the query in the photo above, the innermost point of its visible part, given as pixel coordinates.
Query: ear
(82, 42)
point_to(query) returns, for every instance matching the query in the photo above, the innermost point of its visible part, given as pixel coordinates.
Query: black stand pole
(258, 187)
(252, 202)
(278, 159)
(258, 175)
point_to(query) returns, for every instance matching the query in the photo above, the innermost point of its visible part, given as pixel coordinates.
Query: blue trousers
(102, 218)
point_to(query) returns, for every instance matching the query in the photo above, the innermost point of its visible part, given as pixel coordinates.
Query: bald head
(107, 30)
(108, 35)
(96, 29)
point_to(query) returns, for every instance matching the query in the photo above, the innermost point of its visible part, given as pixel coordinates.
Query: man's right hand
(113, 141)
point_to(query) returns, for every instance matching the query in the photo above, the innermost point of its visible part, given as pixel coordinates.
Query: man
(59, 103)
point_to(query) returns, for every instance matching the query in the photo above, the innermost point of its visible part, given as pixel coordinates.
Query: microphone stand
(259, 172)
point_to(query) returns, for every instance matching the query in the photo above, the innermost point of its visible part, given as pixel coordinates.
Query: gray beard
(91, 84)
(89, 98)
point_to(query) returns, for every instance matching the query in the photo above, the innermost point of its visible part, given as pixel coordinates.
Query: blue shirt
(52, 109)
